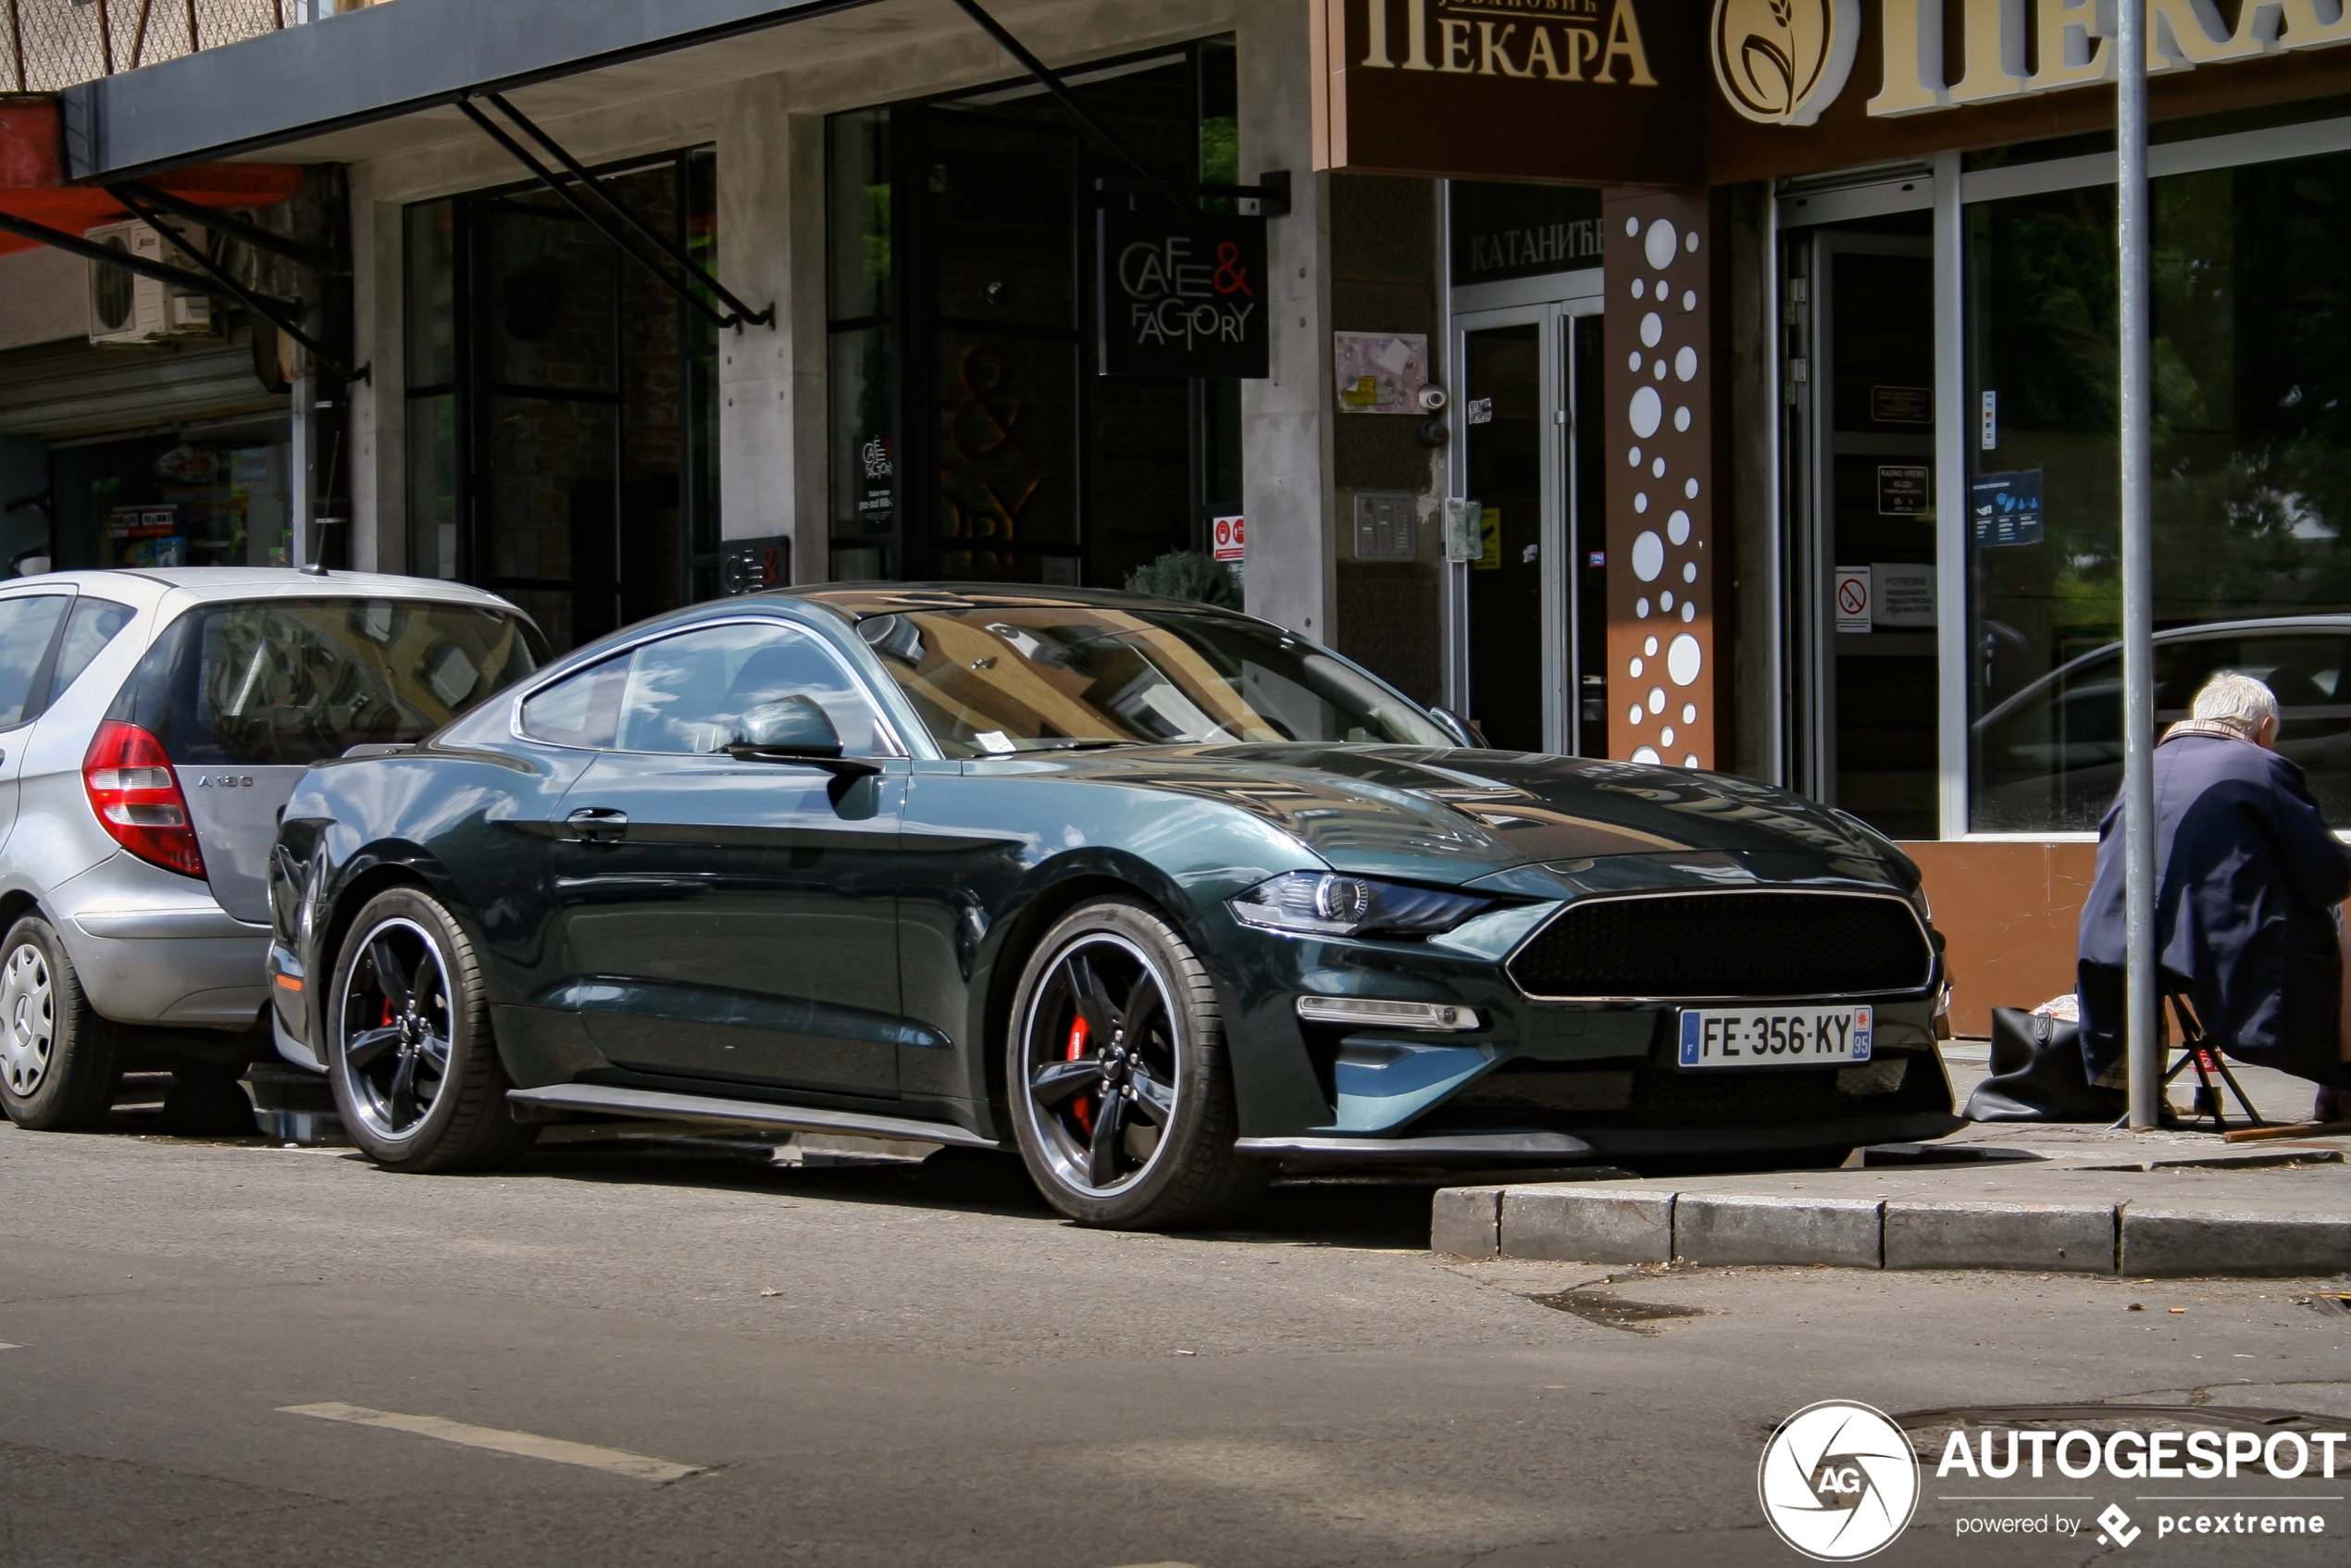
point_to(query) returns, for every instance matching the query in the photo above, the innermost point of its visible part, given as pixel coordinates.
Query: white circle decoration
(1641, 608)
(1665, 600)
(1657, 699)
(1648, 411)
(1637, 714)
(1689, 300)
(1665, 736)
(1690, 760)
(1689, 241)
(1682, 418)
(1647, 754)
(1658, 244)
(1686, 362)
(1640, 287)
(1658, 370)
(1689, 713)
(1691, 490)
(1682, 662)
(1635, 668)
(1657, 470)
(1838, 1481)
(1640, 500)
(1690, 611)
(1632, 226)
(1689, 571)
(1648, 647)
(1633, 456)
(1632, 362)
(1652, 330)
(1648, 556)
(1677, 527)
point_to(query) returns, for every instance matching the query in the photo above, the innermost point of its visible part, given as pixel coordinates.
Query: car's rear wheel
(56, 1055)
(1121, 1095)
(415, 1071)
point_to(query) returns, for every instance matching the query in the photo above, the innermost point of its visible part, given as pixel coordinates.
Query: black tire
(410, 1056)
(206, 1101)
(57, 1069)
(1162, 1091)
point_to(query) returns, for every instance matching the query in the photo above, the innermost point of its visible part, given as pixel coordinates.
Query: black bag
(2038, 1076)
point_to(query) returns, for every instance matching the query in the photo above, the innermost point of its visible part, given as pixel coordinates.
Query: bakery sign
(1596, 42)
(1781, 62)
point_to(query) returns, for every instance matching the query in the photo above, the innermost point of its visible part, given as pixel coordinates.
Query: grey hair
(2236, 700)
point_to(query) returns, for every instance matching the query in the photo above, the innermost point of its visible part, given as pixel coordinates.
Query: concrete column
(1286, 439)
(377, 444)
(771, 380)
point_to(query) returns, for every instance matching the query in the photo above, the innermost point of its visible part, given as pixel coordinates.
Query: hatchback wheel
(413, 1069)
(56, 1055)
(1121, 1095)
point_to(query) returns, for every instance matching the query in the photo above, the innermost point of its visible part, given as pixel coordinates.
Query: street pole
(2138, 565)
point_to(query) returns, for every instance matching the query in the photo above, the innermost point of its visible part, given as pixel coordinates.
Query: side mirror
(791, 726)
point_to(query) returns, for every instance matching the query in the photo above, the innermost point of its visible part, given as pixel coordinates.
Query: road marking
(4, 1346)
(529, 1445)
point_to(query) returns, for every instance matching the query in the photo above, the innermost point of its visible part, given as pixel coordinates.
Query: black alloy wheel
(415, 1073)
(1123, 1100)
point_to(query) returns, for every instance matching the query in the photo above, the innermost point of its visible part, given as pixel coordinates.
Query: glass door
(1528, 657)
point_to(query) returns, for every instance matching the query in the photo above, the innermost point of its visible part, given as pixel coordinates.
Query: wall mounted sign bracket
(585, 194)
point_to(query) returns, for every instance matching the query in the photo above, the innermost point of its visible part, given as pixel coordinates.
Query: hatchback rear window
(290, 682)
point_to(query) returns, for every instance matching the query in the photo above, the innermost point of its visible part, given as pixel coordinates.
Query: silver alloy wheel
(392, 1034)
(1103, 1065)
(28, 1019)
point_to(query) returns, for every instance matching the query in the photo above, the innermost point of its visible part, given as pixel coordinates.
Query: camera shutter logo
(1781, 62)
(1838, 1481)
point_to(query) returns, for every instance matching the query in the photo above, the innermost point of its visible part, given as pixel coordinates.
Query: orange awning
(32, 177)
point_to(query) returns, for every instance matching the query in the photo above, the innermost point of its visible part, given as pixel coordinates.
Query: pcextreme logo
(1838, 1481)
(1781, 62)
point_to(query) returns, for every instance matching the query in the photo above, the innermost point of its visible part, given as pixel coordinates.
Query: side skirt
(608, 1101)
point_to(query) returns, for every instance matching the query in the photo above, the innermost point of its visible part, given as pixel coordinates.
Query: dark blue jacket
(2248, 878)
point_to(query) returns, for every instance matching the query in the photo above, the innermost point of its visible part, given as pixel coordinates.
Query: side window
(91, 626)
(689, 695)
(580, 709)
(27, 627)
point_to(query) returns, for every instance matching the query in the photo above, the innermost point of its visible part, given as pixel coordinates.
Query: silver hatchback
(153, 723)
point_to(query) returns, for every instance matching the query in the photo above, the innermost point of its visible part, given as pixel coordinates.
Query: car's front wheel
(1122, 1094)
(57, 1068)
(415, 1071)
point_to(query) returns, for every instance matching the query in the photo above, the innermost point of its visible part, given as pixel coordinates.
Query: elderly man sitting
(2247, 880)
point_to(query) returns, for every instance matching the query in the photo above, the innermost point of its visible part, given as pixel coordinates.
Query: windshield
(991, 681)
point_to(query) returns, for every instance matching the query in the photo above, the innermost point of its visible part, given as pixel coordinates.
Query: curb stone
(2042, 1238)
(2189, 1242)
(1466, 1221)
(1624, 1226)
(1840, 1232)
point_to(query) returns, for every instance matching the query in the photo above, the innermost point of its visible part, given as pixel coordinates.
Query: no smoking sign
(1852, 596)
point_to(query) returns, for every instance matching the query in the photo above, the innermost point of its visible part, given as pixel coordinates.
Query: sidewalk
(2043, 1199)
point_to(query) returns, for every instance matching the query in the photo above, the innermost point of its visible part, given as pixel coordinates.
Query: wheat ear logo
(1781, 62)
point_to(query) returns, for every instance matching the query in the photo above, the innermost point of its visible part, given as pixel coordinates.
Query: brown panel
(1659, 400)
(2010, 911)
(1564, 90)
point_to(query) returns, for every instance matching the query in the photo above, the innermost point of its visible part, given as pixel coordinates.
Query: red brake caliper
(1077, 1107)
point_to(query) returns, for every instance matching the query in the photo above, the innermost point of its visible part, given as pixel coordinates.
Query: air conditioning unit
(128, 308)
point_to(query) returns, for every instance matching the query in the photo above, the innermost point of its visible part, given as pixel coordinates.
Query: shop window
(2252, 497)
(562, 446)
(970, 436)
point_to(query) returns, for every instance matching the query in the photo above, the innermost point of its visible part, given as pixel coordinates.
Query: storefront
(1885, 573)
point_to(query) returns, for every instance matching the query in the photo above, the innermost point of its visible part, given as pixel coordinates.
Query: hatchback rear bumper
(153, 948)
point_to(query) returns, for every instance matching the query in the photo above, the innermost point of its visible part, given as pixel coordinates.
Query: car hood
(1460, 814)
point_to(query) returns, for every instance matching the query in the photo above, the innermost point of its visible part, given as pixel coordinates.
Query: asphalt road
(911, 1367)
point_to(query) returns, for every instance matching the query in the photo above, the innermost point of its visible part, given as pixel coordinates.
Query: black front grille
(1744, 943)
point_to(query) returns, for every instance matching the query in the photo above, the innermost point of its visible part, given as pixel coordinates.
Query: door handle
(598, 825)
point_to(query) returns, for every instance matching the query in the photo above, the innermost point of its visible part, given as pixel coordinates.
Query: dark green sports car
(1170, 899)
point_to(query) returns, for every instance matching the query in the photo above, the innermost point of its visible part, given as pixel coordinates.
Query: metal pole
(2138, 566)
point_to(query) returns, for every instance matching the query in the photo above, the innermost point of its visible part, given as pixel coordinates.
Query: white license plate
(1780, 1035)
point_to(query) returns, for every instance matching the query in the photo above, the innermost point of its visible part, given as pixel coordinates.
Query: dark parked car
(1168, 897)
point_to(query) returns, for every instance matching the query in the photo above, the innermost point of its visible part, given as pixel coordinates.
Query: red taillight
(137, 797)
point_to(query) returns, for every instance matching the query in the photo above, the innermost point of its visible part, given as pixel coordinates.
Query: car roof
(859, 600)
(209, 584)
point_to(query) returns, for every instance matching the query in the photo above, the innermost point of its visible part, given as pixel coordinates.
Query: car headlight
(1332, 903)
